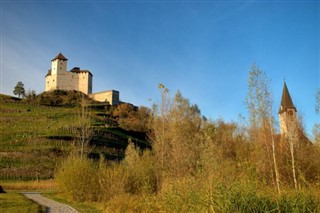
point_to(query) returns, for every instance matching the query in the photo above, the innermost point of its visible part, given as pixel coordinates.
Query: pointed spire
(60, 56)
(286, 101)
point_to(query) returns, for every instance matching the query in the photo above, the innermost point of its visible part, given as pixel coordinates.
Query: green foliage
(192, 196)
(19, 89)
(242, 198)
(32, 138)
(35, 138)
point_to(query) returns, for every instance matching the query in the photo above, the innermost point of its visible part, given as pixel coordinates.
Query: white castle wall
(60, 78)
(81, 80)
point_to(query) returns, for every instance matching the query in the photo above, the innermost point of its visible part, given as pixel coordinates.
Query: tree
(19, 89)
(175, 126)
(30, 95)
(83, 130)
(259, 103)
(132, 118)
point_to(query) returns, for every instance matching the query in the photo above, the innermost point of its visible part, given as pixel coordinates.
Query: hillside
(34, 138)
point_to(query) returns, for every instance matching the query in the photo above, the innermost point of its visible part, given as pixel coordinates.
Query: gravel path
(52, 206)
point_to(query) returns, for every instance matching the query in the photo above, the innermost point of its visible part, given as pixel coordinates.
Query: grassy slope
(26, 149)
(34, 138)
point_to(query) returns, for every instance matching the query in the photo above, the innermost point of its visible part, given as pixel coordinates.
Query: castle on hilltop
(58, 78)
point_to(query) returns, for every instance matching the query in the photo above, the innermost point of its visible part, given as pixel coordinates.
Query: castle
(58, 78)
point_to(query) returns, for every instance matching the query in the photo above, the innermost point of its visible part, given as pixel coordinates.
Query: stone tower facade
(59, 78)
(287, 113)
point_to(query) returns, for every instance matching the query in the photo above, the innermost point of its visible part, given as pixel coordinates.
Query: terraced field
(34, 138)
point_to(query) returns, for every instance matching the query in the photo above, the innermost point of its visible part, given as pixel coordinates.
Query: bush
(141, 176)
(78, 178)
(111, 181)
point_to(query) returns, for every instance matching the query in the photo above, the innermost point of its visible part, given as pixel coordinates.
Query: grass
(35, 138)
(27, 151)
(13, 202)
(80, 206)
(42, 185)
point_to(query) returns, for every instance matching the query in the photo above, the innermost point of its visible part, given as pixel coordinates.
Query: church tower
(287, 112)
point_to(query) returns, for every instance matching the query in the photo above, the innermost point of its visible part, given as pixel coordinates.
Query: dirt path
(53, 206)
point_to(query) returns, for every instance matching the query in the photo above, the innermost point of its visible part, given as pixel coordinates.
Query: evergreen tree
(19, 89)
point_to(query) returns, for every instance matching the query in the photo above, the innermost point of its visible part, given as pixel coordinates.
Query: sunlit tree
(259, 104)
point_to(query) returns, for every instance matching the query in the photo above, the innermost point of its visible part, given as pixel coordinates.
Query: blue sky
(203, 48)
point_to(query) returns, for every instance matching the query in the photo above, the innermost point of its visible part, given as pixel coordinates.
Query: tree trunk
(276, 171)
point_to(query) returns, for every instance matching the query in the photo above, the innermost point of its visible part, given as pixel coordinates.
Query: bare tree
(83, 129)
(174, 131)
(259, 104)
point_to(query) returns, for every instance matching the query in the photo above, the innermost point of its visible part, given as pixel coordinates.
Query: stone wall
(80, 81)
(111, 96)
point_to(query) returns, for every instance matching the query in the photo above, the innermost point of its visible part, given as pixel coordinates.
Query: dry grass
(29, 185)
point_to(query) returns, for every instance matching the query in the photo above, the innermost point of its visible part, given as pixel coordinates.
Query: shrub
(141, 176)
(78, 178)
(111, 181)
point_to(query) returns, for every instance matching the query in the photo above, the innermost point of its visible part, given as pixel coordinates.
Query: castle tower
(59, 64)
(287, 113)
(58, 78)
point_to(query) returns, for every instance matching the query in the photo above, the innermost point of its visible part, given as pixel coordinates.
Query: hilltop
(37, 134)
